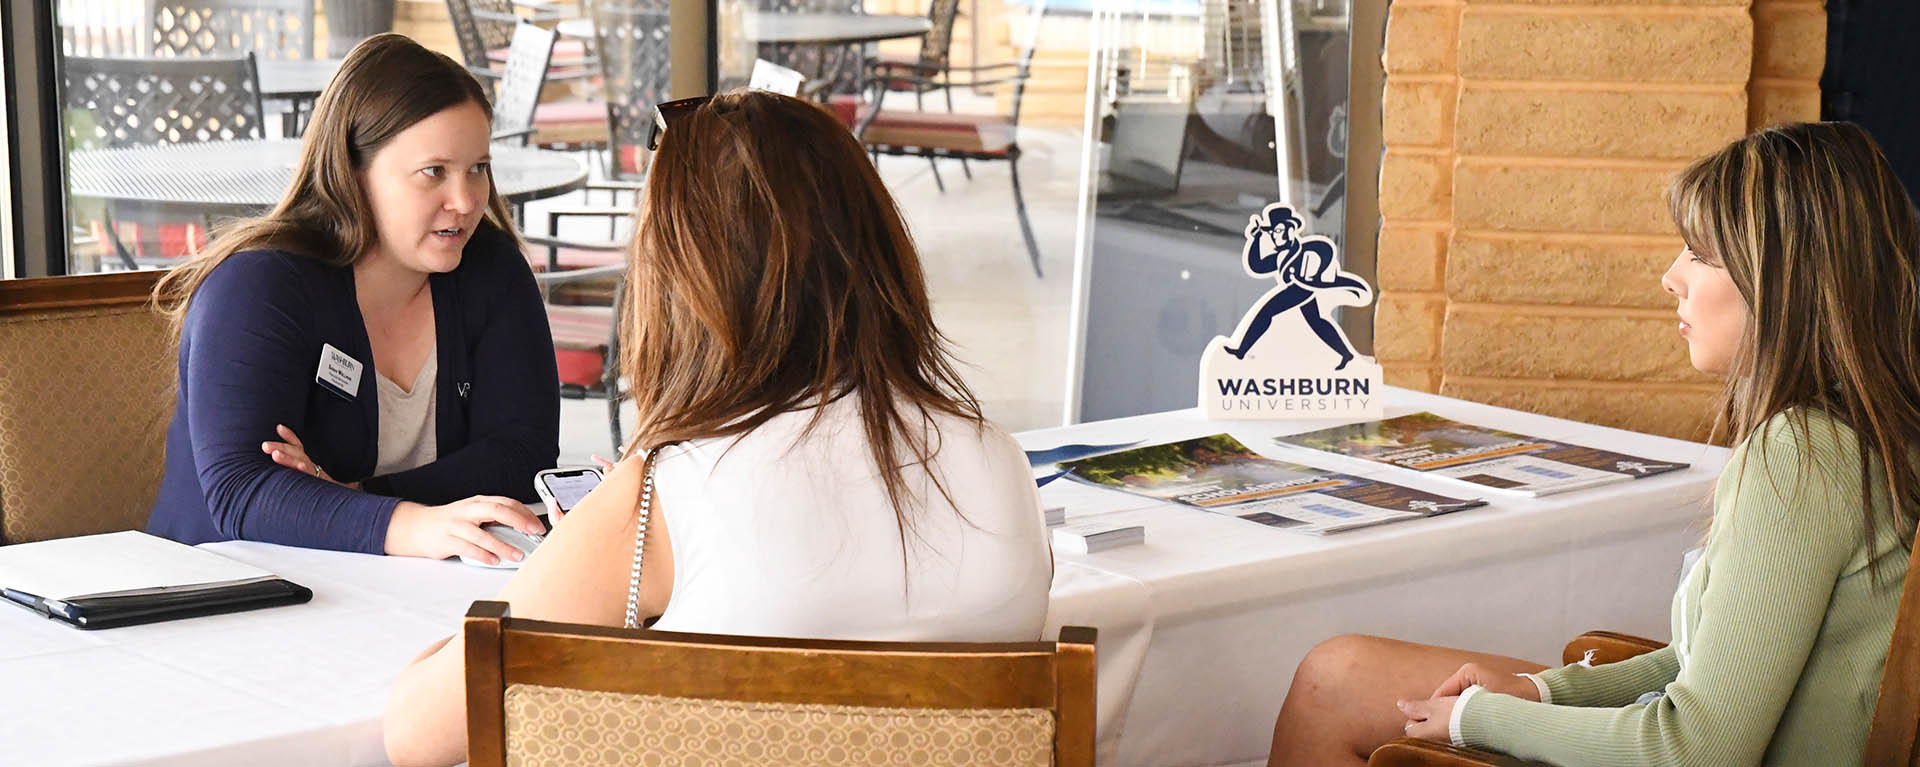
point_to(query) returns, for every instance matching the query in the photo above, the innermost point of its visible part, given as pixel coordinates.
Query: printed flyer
(1219, 474)
(1504, 461)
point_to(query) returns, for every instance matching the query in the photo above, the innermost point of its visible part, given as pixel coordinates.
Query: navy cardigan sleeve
(248, 367)
(511, 389)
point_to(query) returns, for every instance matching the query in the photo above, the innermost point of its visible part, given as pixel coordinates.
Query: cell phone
(563, 489)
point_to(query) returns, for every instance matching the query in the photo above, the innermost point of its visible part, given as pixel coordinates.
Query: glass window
(178, 115)
(164, 105)
(1079, 202)
(975, 111)
(1205, 112)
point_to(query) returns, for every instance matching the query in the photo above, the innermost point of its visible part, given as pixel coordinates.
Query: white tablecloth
(1200, 628)
(1233, 606)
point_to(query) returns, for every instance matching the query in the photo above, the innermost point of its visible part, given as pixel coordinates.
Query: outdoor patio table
(297, 82)
(236, 178)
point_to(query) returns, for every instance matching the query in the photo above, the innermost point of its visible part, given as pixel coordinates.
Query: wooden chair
(1891, 739)
(86, 391)
(728, 700)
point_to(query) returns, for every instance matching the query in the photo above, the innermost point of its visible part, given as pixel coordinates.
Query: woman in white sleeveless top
(807, 461)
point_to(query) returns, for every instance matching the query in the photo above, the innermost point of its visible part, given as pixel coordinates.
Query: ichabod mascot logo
(1287, 359)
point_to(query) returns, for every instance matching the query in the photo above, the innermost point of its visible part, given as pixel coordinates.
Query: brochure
(1219, 474)
(1503, 461)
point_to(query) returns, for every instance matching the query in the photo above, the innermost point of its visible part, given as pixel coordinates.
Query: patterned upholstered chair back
(86, 390)
(556, 694)
(633, 53)
(269, 28)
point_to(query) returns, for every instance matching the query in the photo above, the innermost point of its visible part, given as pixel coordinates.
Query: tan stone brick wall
(1702, 45)
(1563, 270)
(1789, 52)
(1609, 121)
(1416, 188)
(1524, 225)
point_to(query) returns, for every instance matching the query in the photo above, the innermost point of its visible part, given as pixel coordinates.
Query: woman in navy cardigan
(367, 367)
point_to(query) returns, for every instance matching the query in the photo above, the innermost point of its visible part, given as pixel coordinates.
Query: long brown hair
(1820, 238)
(771, 272)
(385, 85)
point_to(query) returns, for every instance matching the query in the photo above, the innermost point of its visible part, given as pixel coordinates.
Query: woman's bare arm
(578, 575)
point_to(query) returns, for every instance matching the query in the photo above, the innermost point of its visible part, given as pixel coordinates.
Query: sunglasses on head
(666, 113)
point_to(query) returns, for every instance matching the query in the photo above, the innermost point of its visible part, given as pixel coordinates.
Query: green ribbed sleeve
(1612, 684)
(1787, 531)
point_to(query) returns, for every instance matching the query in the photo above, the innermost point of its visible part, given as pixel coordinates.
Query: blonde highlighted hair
(1820, 239)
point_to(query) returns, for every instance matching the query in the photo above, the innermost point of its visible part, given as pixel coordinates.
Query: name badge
(338, 373)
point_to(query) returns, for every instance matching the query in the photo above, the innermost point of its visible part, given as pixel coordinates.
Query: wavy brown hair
(1820, 238)
(386, 84)
(771, 272)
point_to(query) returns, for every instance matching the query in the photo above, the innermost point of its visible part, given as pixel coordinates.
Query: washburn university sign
(1287, 359)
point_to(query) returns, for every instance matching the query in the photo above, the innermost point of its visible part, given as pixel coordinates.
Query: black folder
(134, 558)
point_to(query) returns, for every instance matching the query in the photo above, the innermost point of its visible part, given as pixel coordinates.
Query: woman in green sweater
(1798, 285)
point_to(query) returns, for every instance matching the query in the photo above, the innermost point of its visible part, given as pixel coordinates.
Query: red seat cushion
(153, 241)
(585, 369)
(581, 328)
(575, 258)
(977, 134)
(566, 53)
(570, 112)
(570, 122)
(972, 133)
(629, 160)
(845, 106)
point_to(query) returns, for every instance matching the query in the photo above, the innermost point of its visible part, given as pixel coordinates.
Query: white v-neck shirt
(779, 534)
(408, 420)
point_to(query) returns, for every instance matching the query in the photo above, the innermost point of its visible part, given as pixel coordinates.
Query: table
(1200, 628)
(296, 81)
(819, 28)
(824, 30)
(245, 177)
(1232, 607)
(809, 28)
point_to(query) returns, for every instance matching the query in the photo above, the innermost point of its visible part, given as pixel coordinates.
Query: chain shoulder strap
(639, 543)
